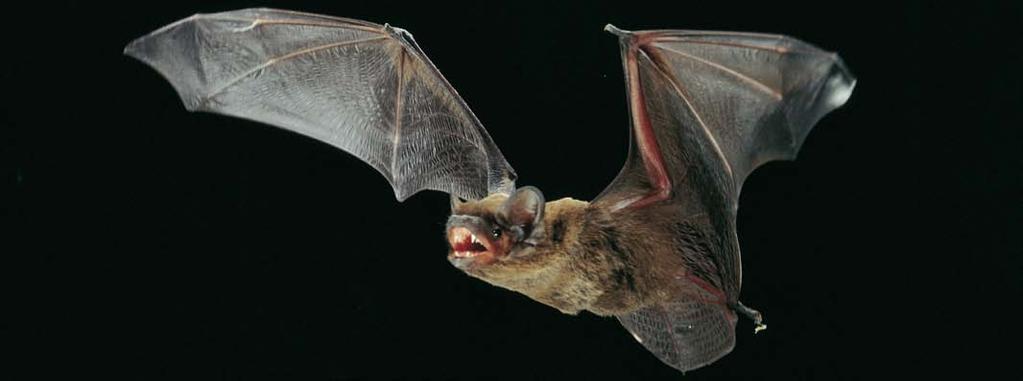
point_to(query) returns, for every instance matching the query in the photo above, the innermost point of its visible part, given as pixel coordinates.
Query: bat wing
(707, 108)
(365, 88)
(685, 334)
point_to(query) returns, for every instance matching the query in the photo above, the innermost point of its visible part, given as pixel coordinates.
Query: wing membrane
(757, 95)
(685, 334)
(707, 109)
(365, 88)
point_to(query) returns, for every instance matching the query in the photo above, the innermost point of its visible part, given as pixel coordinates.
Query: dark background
(147, 242)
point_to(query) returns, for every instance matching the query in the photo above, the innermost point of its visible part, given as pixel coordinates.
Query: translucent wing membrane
(685, 334)
(707, 108)
(754, 96)
(365, 88)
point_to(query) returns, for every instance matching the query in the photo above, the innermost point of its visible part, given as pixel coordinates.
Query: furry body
(589, 259)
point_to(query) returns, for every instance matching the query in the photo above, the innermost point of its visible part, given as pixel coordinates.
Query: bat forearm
(646, 140)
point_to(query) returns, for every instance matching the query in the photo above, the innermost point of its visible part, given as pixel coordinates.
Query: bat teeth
(465, 254)
(465, 244)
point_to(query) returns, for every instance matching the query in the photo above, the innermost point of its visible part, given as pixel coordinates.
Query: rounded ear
(524, 210)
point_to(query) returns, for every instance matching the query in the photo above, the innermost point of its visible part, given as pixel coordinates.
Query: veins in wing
(339, 21)
(745, 78)
(671, 328)
(259, 22)
(397, 112)
(678, 87)
(775, 49)
(285, 57)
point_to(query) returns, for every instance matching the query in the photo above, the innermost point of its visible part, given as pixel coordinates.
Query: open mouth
(465, 244)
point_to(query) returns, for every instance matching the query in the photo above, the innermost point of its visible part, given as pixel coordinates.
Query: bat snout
(465, 243)
(470, 245)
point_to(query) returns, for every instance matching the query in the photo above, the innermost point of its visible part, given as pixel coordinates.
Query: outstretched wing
(707, 108)
(751, 98)
(365, 88)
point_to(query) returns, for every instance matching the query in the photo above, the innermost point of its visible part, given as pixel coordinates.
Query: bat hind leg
(752, 314)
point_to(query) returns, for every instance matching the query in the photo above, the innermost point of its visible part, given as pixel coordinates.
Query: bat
(657, 249)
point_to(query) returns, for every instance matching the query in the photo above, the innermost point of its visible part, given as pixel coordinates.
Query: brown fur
(588, 259)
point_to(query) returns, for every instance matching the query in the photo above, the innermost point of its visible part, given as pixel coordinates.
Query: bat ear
(456, 203)
(523, 213)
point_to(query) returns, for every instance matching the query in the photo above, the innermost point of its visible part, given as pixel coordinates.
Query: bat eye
(496, 233)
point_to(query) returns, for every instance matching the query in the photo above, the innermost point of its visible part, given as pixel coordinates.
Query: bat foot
(756, 316)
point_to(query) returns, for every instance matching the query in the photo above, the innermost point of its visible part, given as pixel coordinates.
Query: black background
(148, 242)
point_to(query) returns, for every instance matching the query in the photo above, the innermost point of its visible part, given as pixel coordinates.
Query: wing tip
(840, 92)
(130, 50)
(136, 47)
(152, 50)
(840, 84)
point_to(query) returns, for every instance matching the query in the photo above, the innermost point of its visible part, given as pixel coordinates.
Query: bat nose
(471, 222)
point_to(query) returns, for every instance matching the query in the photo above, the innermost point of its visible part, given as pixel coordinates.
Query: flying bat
(657, 249)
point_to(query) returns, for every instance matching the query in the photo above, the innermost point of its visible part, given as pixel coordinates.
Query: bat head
(495, 232)
(521, 243)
